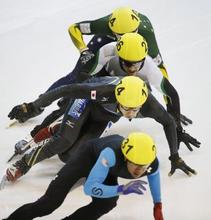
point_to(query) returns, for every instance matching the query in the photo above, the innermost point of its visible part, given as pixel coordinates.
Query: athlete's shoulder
(143, 17)
(104, 80)
(149, 60)
(145, 26)
(151, 73)
(114, 138)
(109, 141)
(112, 141)
(109, 49)
(148, 63)
(105, 18)
(100, 25)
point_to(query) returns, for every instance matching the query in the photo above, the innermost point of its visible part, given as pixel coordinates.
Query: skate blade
(11, 157)
(3, 182)
(14, 122)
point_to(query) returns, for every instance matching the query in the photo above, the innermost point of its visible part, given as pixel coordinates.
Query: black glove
(62, 103)
(185, 121)
(47, 121)
(36, 129)
(178, 163)
(86, 56)
(187, 139)
(23, 112)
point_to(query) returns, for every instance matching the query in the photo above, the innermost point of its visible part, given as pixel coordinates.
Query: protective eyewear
(145, 167)
(129, 64)
(130, 109)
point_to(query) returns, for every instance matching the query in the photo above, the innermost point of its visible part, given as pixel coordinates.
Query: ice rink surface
(36, 50)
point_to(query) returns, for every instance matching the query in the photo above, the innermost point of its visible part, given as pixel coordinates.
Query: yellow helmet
(139, 148)
(132, 47)
(124, 20)
(131, 92)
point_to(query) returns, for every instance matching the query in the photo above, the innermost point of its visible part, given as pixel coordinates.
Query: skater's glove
(23, 112)
(136, 186)
(187, 139)
(185, 120)
(86, 56)
(157, 211)
(36, 129)
(178, 163)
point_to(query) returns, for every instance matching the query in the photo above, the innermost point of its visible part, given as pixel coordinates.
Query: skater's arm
(154, 185)
(94, 184)
(85, 91)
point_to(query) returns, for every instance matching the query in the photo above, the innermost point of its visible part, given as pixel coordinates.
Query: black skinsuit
(89, 109)
(79, 165)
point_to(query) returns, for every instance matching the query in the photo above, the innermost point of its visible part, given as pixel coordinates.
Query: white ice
(35, 50)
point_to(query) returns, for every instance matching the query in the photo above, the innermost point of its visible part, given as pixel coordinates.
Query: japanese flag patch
(93, 94)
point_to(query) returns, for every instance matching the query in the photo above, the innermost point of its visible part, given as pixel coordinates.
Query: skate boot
(21, 147)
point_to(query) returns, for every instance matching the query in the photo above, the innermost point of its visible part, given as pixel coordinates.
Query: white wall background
(35, 50)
